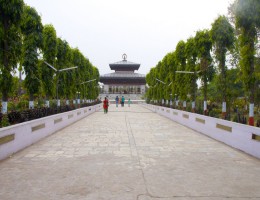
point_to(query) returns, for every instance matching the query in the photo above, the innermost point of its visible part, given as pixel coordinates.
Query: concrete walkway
(129, 154)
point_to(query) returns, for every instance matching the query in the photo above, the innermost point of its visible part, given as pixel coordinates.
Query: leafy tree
(247, 20)
(181, 66)
(257, 93)
(49, 55)
(233, 91)
(32, 40)
(15, 87)
(191, 55)
(77, 60)
(203, 44)
(172, 73)
(222, 34)
(163, 74)
(169, 76)
(95, 76)
(64, 60)
(151, 81)
(10, 41)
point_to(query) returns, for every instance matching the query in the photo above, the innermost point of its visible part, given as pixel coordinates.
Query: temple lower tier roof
(123, 78)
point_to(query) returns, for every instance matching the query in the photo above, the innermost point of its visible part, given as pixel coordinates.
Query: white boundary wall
(239, 136)
(17, 137)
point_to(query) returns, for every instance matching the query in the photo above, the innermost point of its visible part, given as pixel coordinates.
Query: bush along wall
(15, 117)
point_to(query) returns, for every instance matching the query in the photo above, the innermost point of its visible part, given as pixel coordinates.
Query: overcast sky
(146, 30)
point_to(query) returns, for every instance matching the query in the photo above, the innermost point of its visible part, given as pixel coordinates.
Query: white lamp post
(57, 81)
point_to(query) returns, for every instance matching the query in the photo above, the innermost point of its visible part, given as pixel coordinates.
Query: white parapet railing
(17, 137)
(243, 137)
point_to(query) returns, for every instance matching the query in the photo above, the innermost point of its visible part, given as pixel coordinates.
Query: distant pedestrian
(117, 100)
(122, 101)
(129, 102)
(105, 105)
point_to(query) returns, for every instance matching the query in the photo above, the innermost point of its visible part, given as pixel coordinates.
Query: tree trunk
(184, 105)
(47, 102)
(31, 102)
(251, 77)
(5, 71)
(193, 105)
(223, 83)
(251, 96)
(205, 110)
(20, 84)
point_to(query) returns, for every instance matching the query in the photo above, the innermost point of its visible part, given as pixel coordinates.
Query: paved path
(129, 154)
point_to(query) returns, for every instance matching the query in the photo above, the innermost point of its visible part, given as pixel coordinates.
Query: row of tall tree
(204, 57)
(35, 50)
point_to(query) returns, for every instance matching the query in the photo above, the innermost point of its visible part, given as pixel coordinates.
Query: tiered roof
(124, 73)
(124, 65)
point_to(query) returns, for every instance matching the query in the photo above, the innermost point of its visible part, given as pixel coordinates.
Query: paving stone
(129, 153)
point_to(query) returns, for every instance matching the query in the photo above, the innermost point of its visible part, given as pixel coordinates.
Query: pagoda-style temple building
(124, 80)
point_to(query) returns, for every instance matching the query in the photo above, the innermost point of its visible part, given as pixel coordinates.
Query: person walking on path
(122, 101)
(117, 100)
(129, 102)
(105, 105)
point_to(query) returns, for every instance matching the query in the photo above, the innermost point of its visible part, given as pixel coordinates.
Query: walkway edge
(239, 136)
(17, 137)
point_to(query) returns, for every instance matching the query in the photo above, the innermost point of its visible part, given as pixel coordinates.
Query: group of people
(122, 101)
(118, 100)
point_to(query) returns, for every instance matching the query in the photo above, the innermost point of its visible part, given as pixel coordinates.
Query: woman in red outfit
(105, 105)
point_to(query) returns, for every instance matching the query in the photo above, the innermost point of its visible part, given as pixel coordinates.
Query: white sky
(146, 30)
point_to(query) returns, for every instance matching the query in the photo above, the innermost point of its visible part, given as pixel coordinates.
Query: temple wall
(123, 89)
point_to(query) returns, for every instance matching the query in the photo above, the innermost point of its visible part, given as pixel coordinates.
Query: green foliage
(181, 66)
(234, 87)
(10, 40)
(247, 13)
(22, 39)
(15, 87)
(32, 30)
(195, 54)
(203, 44)
(64, 60)
(222, 35)
(4, 121)
(191, 54)
(247, 20)
(49, 55)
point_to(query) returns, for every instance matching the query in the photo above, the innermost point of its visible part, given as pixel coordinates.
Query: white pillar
(67, 102)
(205, 105)
(193, 105)
(224, 107)
(251, 110)
(251, 114)
(47, 103)
(31, 105)
(184, 104)
(4, 107)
